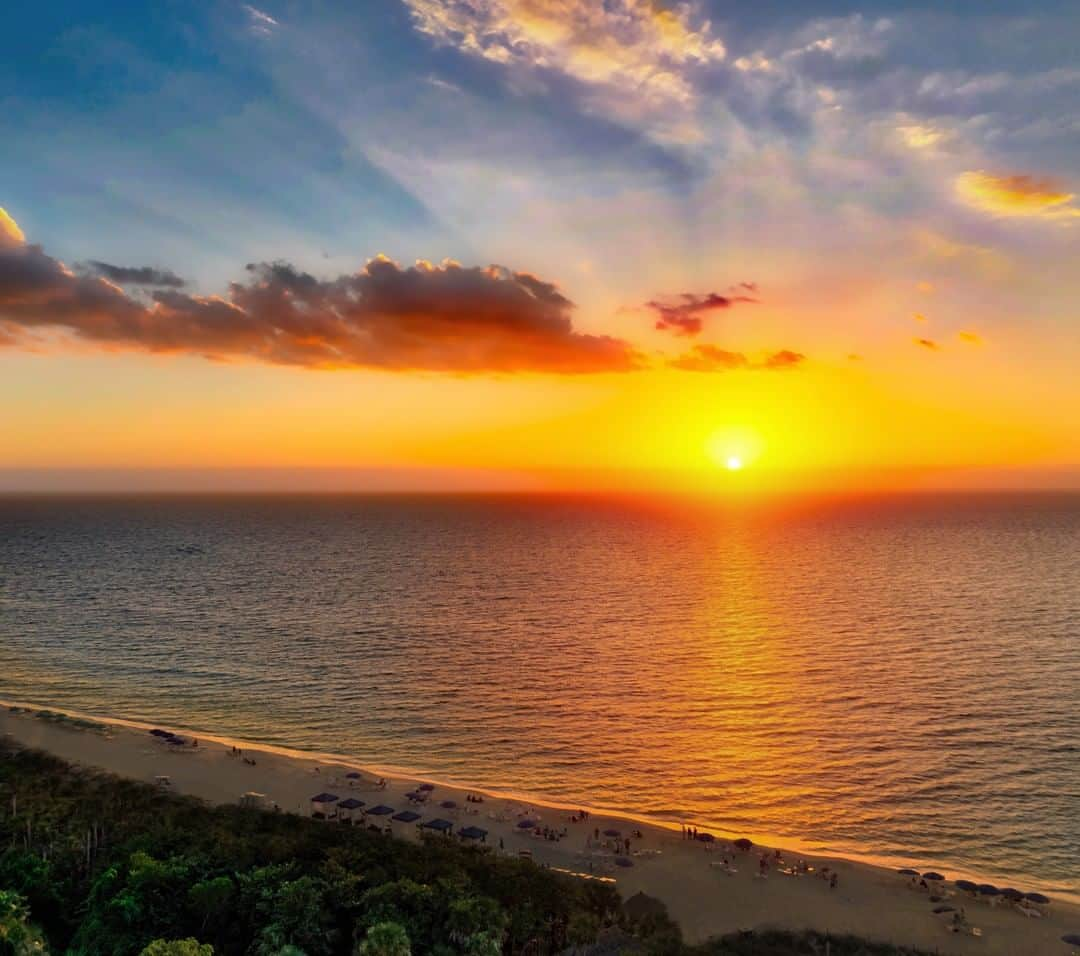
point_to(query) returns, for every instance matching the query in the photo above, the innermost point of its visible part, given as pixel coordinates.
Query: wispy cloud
(259, 21)
(636, 58)
(136, 275)
(1017, 195)
(712, 358)
(927, 344)
(685, 313)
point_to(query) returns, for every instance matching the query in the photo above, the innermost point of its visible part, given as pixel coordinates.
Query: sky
(545, 244)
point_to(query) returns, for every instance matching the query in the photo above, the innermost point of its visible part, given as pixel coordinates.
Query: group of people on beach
(473, 798)
(237, 752)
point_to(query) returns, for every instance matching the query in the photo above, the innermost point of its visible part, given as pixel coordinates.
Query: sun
(733, 449)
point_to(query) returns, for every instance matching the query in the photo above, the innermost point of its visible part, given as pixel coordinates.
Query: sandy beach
(703, 893)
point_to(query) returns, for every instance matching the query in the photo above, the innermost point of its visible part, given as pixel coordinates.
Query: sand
(869, 901)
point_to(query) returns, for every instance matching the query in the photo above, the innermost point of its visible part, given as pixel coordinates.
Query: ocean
(894, 679)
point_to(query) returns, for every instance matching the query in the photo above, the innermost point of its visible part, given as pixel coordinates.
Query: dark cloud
(711, 358)
(685, 314)
(136, 275)
(928, 344)
(785, 358)
(442, 318)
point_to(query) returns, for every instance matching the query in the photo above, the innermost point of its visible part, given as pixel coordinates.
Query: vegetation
(95, 865)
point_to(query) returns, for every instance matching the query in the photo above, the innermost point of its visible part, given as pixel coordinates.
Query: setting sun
(733, 463)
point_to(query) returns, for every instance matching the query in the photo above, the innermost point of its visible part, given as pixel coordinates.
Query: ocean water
(895, 679)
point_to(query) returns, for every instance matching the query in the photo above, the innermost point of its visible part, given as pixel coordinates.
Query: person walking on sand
(833, 881)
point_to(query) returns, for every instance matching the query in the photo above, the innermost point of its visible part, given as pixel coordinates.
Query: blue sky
(897, 179)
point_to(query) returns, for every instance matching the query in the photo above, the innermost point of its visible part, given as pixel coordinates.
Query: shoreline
(872, 901)
(787, 843)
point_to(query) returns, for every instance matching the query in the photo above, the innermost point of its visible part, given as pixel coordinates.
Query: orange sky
(840, 256)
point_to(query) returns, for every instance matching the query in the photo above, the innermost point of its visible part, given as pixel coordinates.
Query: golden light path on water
(885, 680)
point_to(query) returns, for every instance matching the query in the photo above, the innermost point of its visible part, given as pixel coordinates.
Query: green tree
(470, 917)
(212, 899)
(483, 944)
(17, 936)
(300, 919)
(34, 879)
(409, 904)
(178, 947)
(385, 939)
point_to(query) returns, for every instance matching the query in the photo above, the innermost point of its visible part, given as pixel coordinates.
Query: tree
(178, 947)
(483, 944)
(385, 939)
(211, 899)
(17, 936)
(298, 918)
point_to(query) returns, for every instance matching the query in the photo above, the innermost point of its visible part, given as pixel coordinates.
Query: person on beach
(833, 881)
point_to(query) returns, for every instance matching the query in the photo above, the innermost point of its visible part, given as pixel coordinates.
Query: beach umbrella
(406, 816)
(527, 825)
(426, 786)
(1011, 893)
(612, 833)
(440, 825)
(1037, 898)
(472, 833)
(380, 811)
(1073, 939)
(965, 885)
(945, 909)
(623, 861)
(706, 838)
(324, 798)
(743, 843)
(353, 775)
(988, 889)
(159, 733)
(908, 871)
(932, 876)
(351, 804)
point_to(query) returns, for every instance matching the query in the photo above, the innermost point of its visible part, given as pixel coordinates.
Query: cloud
(9, 230)
(919, 317)
(1018, 195)
(685, 315)
(136, 275)
(920, 136)
(982, 260)
(440, 318)
(637, 55)
(928, 344)
(259, 22)
(785, 358)
(971, 338)
(711, 358)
